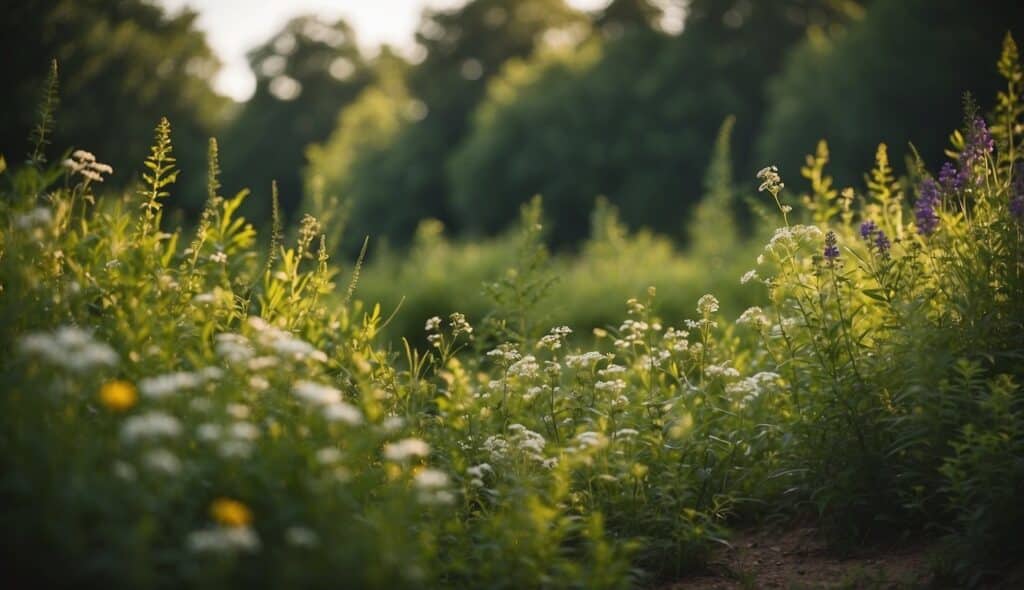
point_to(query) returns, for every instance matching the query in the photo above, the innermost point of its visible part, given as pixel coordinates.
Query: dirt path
(797, 559)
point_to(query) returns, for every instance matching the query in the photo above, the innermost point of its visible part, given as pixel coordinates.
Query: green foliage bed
(190, 410)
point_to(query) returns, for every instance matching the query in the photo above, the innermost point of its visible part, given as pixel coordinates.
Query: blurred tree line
(510, 98)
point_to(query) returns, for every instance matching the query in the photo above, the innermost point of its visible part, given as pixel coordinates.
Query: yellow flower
(230, 512)
(118, 395)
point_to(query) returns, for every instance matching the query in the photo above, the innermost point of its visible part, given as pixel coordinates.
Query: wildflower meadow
(209, 406)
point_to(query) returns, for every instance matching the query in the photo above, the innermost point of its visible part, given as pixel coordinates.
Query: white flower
(234, 347)
(219, 257)
(38, 217)
(433, 324)
(391, 424)
(208, 432)
(613, 386)
(505, 352)
(150, 425)
(748, 276)
(328, 455)
(244, 431)
(525, 367)
(406, 449)
(316, 393)
(707, 305)
(69, 347)
(238, 411)
(478, 471)
(163, 461)
(161, 386)
(591, 439)
(300, 536)
(459, 324)
(754, 317)
(343, 412)
(585, 360)
(223, 540)
(234, 449)
(626, 433)
(430, 479)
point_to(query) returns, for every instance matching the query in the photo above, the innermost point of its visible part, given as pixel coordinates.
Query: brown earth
(798, 559)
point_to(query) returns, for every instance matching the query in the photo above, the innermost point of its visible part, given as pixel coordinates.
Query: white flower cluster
(631, 332)
(554, 339)
(722, 370)
(750, 275)
(459, 325)
(526, 367)
(220, 539)
(676, 340)
(235, 348)
(283, 343)
(431, 487)
(593, 440)
(38, 217)
(150, 425)
(585, 360)
(527, 442)
(615, 386)
(329, 399)
(235, 441)
(754, 317)
(791, 237)
(69, 347)
(771, 181)
(161, 386)
(84, 163)
(406, 449)
(505, 353)
(707, 305)
(750, 388)
(477, 474)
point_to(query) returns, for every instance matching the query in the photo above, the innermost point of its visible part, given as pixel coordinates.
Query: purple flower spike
(868, 229)
(924, 208)
(951, 179)
(831, 249)
(882, 243)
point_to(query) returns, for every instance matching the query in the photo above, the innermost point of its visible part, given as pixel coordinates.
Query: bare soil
(798, 559)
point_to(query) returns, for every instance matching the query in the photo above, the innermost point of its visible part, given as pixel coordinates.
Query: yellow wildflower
(118, 395)
(230, 512)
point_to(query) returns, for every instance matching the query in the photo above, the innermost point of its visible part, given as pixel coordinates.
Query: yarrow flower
(84, 163)
(405, 449)
(70, 347)
(707, 304)
(770, 180)
(924, 208)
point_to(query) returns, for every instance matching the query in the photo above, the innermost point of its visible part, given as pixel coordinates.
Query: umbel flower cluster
(217, 415)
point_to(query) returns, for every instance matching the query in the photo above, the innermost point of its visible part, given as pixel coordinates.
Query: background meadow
(562, 299)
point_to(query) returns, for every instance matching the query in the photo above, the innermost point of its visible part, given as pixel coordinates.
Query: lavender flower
(831, 249)
(882, 244)
(924, 208)
(951, 179)
(978, 146)
(875, 238)
(868, 229)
